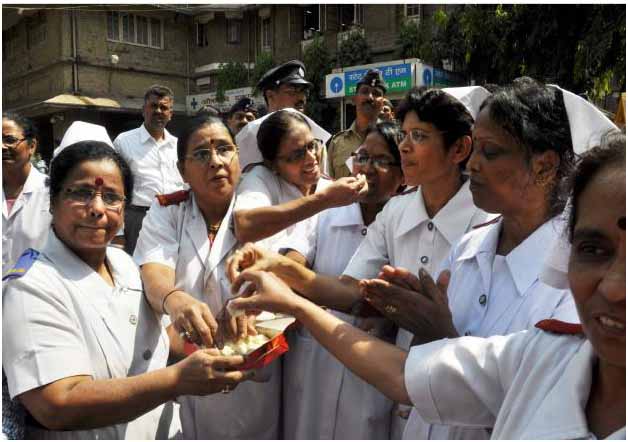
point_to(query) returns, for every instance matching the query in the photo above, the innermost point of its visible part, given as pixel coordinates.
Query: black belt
(142, 208)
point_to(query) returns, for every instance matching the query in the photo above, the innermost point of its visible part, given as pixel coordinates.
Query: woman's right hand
(253, 257)
(265, 291)
(345, 191)
(192, 318)
(207, 372)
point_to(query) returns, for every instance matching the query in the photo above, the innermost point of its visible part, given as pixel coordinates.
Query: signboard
(195, 102)
(398, 78)
(335, 85)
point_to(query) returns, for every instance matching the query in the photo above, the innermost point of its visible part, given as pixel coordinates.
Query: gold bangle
(163, 300)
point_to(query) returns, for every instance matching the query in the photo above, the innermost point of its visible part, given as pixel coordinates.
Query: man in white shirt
(151, 152)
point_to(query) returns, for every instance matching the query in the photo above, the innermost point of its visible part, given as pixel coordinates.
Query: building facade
(63, 63)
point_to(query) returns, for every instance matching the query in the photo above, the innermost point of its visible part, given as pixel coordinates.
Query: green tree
(354, 50)
(318, 63)
(231, 75)
(263, 63)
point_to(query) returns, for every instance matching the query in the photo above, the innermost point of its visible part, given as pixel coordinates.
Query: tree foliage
(231, 75)
(580, 47)
(318, 63)
(354, 50)
(263, 63)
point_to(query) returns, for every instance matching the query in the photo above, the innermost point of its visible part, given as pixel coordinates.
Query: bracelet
(163, 301)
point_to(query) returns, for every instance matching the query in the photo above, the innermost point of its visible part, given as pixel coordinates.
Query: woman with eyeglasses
(25, 197)
(182, 250)
(413, 231)
(82, 349)
(555, 381)
(325, 400)
(281, 197)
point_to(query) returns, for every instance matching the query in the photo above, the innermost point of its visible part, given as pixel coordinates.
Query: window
(311, 21)
(10, 42)
(413, 10)
(134, 29)
(266, 37)
(201, 35)
(36, 29)
(349, 15)
(234, 28)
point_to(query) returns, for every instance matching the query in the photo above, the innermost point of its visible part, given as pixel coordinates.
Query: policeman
(368, 101)
(283, 87)
(240, 114)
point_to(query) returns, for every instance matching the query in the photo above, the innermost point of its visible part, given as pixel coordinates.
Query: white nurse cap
(587, 125)
(82, 131)
(471, 96)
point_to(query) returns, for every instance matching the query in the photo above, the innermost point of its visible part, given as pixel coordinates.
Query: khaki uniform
(339, 150)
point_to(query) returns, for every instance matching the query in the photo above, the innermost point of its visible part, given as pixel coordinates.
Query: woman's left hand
(234, 328)
(416, 304)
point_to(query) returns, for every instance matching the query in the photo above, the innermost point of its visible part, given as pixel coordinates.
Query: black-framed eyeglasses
(11, 141)
(298, 155)
(383, 164)
(84, 195)
(417, 136)
(225, 152)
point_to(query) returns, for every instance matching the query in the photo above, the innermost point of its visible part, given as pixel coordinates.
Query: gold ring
(186, 335)
(391, 309)
(225, 390)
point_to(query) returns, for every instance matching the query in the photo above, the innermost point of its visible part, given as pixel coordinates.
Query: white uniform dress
(260, 187)
(60, 319)
(403, 235)
(527, 385)
(176, 236)
(492, 295)
(322, 398)
(29, 221)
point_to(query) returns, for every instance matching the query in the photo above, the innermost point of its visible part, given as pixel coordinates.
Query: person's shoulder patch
(173, 198)
(24, 262)
(559, 327)
(488, 223)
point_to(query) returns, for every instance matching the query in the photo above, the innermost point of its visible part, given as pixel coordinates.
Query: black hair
(534, 115)
(274, 128)
(158, 91)
(26, 124)
(390, 134)
(611, 152)
(75, 154)
(437, 107)
(191, 126)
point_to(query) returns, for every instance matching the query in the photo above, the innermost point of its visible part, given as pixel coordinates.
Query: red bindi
(99, 181)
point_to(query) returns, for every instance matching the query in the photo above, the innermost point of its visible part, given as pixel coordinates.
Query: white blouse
(528, 385)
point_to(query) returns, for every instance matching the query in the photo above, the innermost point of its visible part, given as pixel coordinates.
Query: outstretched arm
(377, 362)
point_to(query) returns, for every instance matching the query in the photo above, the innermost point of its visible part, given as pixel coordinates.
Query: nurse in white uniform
(284, 194)
(517, 170)
(348, 407)
(564, 381)
(182, 248)
(25, 197)
(82, 349)
(415, 230)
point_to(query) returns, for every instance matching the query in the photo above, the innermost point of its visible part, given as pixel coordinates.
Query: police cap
(373, 78)
(290, 72)
(244, 104)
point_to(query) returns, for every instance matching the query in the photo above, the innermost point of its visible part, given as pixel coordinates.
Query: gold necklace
(212, 229)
